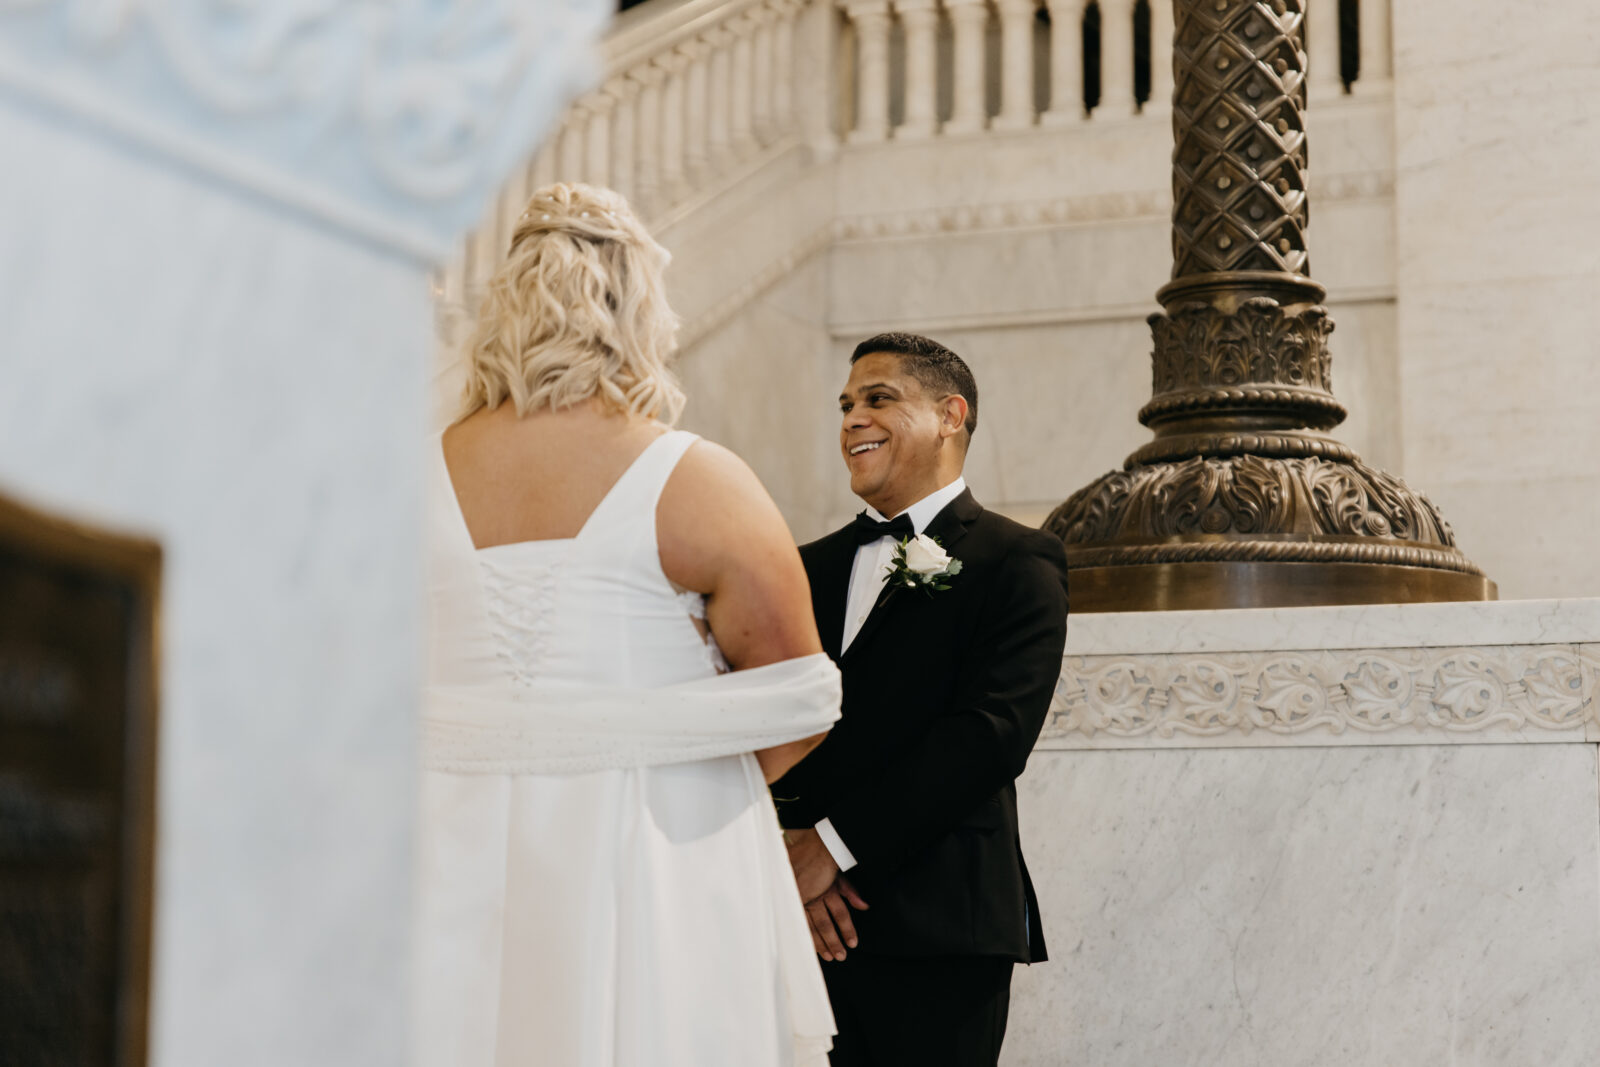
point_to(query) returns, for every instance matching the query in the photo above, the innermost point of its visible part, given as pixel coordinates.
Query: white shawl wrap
(575, 729)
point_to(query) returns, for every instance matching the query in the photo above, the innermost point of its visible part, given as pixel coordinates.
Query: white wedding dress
(636, 910)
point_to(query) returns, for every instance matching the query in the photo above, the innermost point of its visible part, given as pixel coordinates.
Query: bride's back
(539, 477)
(568, 384)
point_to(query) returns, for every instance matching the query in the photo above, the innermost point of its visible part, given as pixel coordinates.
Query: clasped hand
(828, 894)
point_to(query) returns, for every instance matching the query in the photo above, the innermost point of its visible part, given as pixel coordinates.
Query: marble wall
(1498, 248)
(1333, 907)
(1332, 836)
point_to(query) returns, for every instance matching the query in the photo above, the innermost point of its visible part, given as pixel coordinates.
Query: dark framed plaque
(78, 616)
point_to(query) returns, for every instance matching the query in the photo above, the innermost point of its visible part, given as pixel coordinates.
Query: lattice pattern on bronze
(1238, 176)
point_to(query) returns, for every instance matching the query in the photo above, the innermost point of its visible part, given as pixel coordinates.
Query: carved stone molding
(394, 121)
(1509, 693)
(1069, 211)
(720, 313)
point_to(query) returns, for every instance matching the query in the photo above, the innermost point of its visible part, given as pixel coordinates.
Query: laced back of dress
(594, 608)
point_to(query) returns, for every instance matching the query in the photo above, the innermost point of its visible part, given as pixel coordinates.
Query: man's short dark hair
(935, 367)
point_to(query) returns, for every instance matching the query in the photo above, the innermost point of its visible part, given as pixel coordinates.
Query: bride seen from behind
(601, 877)
(569, 383)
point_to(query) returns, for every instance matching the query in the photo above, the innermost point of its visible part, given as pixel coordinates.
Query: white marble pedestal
(1332, 836)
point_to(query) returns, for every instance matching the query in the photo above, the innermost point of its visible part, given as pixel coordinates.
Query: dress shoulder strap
(632, 501)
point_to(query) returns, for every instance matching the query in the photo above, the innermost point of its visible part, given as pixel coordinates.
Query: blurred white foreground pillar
(215, 331)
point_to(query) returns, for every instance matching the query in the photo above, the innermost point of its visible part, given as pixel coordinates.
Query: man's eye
(879, 398)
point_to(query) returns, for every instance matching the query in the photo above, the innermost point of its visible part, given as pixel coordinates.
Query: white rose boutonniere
(922, 563)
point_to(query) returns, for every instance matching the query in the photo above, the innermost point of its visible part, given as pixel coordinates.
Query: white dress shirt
(866, 582)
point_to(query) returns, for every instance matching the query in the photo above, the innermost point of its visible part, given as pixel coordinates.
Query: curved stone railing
(696, 95)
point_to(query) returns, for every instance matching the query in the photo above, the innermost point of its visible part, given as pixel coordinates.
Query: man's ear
(952, 415)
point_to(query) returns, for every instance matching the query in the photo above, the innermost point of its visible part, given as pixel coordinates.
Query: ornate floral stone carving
(1395, 696)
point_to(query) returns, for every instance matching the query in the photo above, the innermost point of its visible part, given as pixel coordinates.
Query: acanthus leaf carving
(1245, 495)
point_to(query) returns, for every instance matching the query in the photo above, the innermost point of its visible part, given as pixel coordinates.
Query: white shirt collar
(924, 510)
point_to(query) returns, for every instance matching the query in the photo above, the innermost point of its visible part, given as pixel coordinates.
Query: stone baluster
(783, 65)
(1160, 54)
(1016, 64)
(647, 139)
(1116, 59)
(1377, 58)
(450, 293)
(673, 186)
(719, 90)
(513, 198)
(542, 171)
(1066, 63)
(1323, 77)
(483, 257)
(871, 20)
(597, 139)
(742, 135)
(920, 18)
(696, 151)
(763, 73)
(573, 148)
(624, 94)
(969, 19)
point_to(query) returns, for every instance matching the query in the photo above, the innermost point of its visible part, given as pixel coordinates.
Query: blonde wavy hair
(577, 310)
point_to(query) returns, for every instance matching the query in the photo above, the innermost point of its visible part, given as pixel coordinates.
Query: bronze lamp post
(1242, 499)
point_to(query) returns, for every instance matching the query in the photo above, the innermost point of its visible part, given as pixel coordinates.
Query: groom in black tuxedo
(902, 825)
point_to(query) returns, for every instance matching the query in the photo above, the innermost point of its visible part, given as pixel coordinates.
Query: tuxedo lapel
(949, 526)
(829, 571)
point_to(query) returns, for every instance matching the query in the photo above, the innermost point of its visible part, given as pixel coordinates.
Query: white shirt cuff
(835, 845)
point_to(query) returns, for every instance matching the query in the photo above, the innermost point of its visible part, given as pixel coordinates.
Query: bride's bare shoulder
(715, 514)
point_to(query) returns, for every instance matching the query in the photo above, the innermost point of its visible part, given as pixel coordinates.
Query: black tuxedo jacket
(944, 696)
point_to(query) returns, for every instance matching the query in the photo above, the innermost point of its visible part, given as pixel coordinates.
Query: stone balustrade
(695, 94)
(698, 94)
(1037, 75)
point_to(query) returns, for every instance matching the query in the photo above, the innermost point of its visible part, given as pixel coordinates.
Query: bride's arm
(720, 534)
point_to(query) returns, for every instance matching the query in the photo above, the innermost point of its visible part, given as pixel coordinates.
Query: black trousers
(943, 1012)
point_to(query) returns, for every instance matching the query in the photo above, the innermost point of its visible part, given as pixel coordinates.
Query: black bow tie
(868, 529)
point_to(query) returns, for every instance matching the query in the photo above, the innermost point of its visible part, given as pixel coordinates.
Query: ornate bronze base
(1276, 520)
(1211, 586)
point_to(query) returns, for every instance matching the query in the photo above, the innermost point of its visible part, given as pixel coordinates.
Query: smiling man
(947, 622)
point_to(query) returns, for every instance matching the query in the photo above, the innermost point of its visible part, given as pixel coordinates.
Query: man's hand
(814, 869)
(829, 916)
